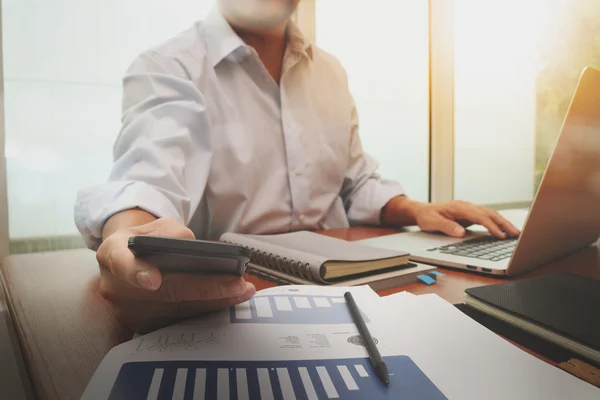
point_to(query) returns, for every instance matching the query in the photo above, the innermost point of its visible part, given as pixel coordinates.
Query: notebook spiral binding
(284, 264)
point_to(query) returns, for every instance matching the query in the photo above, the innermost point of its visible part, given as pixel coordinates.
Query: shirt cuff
(367, 203)
(94, 206)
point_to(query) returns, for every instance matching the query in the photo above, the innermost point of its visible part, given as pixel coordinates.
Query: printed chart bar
(347, 377)
(263, 307)
(322, 302)
(314, 379)
(223, 383)
(362, 372)
(200, 384)
(264, 383)
(242, 384)
(243, 311)
(327, 383)
(302, 302)
(292, 309)
(307, 383)
(179, 389)
(283, 304)
(155, 384)
(285, 382)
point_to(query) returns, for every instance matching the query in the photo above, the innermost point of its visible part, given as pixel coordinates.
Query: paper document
(300, 342)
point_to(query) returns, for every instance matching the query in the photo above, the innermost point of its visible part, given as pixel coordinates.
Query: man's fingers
(490, 225)
(115, 255)
(478, 215)
(124, 265)
(505, 224)
(144, 316)
(191, 287)
(441, 224)
(177, 288)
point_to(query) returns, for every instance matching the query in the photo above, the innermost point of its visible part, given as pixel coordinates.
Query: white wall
(63, 65)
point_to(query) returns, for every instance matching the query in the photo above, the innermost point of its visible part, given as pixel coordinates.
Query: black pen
(378, 364)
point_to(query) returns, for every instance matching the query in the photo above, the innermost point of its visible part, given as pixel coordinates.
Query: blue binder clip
(435, 274)
(426, 279)
(430, 278)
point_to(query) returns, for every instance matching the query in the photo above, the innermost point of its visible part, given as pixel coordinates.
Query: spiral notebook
(318, 258)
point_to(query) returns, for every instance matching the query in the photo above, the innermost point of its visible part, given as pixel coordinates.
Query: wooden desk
(65, 328)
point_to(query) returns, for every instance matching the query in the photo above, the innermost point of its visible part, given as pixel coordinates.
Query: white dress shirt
(210, 139)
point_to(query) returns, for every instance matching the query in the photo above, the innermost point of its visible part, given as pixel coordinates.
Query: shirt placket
(296, 152)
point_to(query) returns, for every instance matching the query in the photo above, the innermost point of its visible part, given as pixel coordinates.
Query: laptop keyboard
(482, 248)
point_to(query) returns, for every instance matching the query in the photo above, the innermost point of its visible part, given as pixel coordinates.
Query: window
(385, 52)
(63, 66)
(516, 67)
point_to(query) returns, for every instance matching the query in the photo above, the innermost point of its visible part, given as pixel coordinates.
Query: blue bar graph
(292, 309)
(351, 379)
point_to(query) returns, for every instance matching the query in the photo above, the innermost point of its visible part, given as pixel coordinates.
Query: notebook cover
(563, 302)
(377, 281)
(533, 342)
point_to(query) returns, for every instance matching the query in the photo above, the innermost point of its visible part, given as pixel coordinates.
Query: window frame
(4, 232)
(441, 91)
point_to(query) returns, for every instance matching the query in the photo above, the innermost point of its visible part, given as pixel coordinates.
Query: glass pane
(516, 67)
(63, 66)
(385, 52)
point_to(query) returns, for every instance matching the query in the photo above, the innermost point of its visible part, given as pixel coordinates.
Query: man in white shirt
(237, 124)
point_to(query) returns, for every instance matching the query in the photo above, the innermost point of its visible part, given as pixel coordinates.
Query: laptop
(563, 218)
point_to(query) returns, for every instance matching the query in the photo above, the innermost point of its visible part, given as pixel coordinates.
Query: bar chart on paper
(306, 379)
(293, 309)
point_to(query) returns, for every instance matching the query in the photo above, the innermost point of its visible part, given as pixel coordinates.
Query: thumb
(449, 227)
(114, 255)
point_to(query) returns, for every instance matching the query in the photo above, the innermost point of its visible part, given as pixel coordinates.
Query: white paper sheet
(465, 359)
(303, 350)
(289, 324)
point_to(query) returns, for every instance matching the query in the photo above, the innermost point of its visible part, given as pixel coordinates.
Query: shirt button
(298, 172)
(302, 218)
(248, 51)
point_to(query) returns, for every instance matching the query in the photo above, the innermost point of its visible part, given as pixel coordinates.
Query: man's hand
(144, 298)
(450, 218)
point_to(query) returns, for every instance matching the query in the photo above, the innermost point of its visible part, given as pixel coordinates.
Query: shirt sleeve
(364, 192)
(162, 154)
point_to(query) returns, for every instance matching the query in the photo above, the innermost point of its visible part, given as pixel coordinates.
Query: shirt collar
(222, 42)
(297, 41)
(221, 39)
